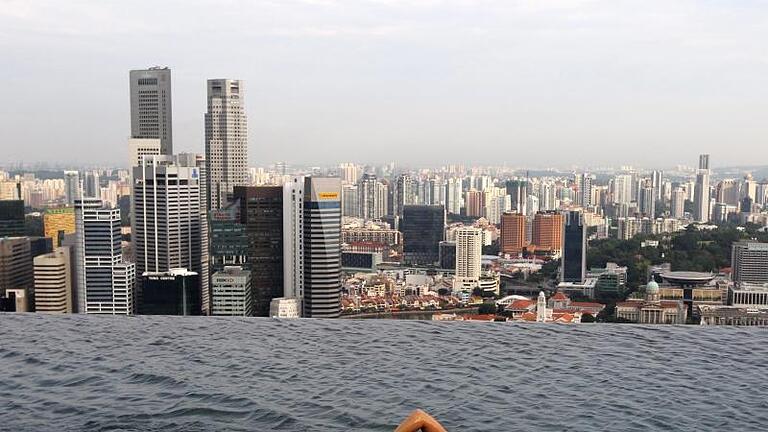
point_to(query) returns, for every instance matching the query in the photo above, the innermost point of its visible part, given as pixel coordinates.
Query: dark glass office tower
(322, 247)
(574, 259)
(423, 229)
(175, 292)
(229, 241)
(518, 192)
(12, 218)
(261, 212)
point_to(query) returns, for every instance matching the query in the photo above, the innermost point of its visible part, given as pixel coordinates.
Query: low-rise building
(652, 310)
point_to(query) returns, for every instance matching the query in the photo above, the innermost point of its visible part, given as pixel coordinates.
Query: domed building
(652, 310)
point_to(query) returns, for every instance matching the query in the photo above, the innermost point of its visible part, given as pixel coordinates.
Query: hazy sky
(531, 82)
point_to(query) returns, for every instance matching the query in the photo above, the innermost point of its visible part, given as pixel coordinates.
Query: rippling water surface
(187, 374)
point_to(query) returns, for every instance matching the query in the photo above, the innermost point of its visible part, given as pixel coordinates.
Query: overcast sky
(527, 83)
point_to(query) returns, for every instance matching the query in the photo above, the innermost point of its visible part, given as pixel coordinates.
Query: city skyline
(562, 76)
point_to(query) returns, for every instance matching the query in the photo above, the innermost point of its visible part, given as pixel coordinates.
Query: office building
(749, 262)
(518, 191)
(321, 245)
(261, 213)
(423, 228)
(512, 239)
(231, 293)
(229, 241)
(12, 218)
(172, 292)
(447, 255)
(469, 250)
(140, 147)
(167, 229)
(53, 282)
(573, 263)
(16, 271)
(151, 110)
(226, 140)
(58, 222)
(548, 232)
(105, 283)
(702, 194)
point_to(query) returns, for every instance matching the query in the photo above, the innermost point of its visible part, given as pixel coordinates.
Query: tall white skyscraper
(312, 245)
(105, 283)
(622, 189)
(701, 200)
(151, 106)
(372, 197)
(166, 217)
(454, 199)
(226, 140)
(584, 184)
(469, 249)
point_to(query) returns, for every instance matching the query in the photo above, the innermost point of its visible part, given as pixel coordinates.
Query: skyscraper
(453, 196)
(16, 271)
(573, 264)
(12, 218)
(231, 293)
(172, 292)
(584, 184)
(229, 241)
(71, 186)
(404, 194)
(648, 201)
(53, 282)
(165, 217)
(151, 111)
(423, 229)
(702, 194)
(372, 197)
(518, 192)
(469, 249)
(512, 239)
(140, 147)
(105, 283)
(749, 262)
(226, 140)
(261, 213)
(321, 245)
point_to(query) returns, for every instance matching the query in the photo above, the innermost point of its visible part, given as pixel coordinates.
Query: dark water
(187, 374)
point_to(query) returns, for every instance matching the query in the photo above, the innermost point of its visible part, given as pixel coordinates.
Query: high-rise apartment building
(105, 283)
(53, 282)
(573, 264)
(261, 213)
(702, 194)
(469, 250)
(404, 194)
(151, 112)
(648, 201)
(518, 192)
(423, 228)
(372, 197)
(226, 140)
(57, 222)
(548, 231)
(167, 229)
(584, 182)
(71, 186)
(512, 240)
(677, 204)
(749, 262)
(475, 203)
(453, 196)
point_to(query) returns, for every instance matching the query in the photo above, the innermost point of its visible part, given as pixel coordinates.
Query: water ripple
(190, 374)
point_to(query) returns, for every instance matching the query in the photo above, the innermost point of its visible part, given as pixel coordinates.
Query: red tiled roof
(559, 296)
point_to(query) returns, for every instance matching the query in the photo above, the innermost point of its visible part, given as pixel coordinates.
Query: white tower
(541, 307)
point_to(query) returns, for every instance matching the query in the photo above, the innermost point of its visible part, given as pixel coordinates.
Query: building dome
(652, 287)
